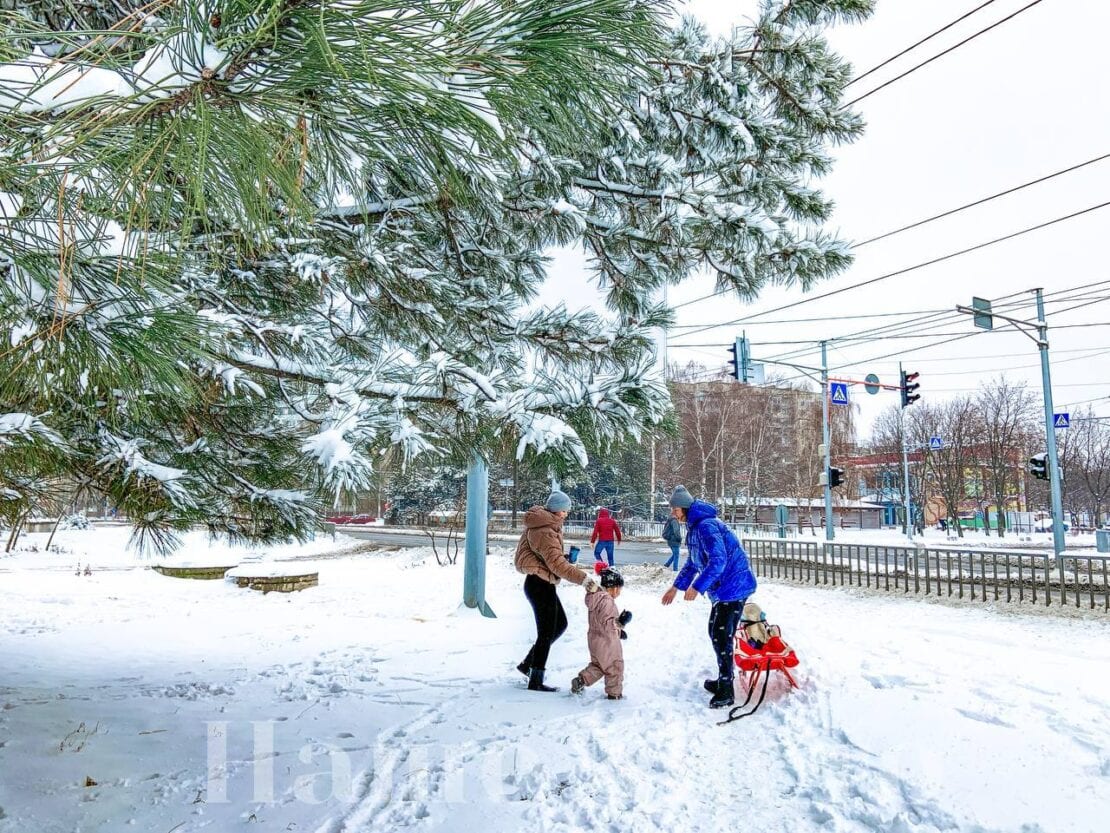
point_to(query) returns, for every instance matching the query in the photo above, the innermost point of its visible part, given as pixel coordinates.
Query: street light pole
(1050, 437)
(984, 317)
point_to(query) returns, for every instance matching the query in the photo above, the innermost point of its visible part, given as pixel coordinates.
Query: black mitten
(625, 617)
(623, 634)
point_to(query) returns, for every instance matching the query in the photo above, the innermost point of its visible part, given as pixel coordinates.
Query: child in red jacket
(607, 534)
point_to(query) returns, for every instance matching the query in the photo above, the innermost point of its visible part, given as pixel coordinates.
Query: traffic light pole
(984, 315)
(829, 534)
(905, 468)
(1050, 438)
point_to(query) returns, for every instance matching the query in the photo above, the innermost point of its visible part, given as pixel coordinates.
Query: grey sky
(1021, 101)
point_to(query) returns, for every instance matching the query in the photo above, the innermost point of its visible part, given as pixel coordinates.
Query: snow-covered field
(373, 703)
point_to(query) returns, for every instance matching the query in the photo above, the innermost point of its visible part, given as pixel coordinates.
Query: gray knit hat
(681, 498)
(557, 502)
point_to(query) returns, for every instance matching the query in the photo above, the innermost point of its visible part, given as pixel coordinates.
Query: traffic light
(909, 385)
(741, 363)
(836, 476)
(1038, 466)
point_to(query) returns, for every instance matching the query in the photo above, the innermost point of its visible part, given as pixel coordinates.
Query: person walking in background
(539, 555)
(718, 567)
(672, 534)
(607, 534)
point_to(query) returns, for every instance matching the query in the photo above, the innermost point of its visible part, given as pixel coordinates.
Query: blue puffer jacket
(717, 564)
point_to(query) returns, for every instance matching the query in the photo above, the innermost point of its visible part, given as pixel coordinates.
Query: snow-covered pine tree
(248, 246)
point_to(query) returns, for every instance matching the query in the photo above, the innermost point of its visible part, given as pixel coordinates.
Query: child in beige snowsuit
(604, 636)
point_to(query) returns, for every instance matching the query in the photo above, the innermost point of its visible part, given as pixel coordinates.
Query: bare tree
(1085, 458)
(1007, 413)
(957, 424)
(738, 444)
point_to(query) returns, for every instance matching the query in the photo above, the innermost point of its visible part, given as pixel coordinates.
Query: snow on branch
(125, 459)
(16, 426)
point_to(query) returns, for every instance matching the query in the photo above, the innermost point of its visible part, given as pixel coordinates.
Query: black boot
(710, 685)
(535, 681)
(724, 695)
(524, 668)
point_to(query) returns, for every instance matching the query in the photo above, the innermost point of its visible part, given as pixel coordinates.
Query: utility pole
(829, 535)
(1050, 437)
(907, 503)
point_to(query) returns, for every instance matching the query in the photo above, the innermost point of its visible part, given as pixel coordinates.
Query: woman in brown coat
(539, 555)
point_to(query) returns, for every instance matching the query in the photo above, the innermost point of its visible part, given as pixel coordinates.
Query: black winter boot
(710, 685)
(524, 668)
(535, 681)
(724, 696)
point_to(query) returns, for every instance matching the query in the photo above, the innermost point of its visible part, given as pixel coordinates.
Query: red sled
(755, 662)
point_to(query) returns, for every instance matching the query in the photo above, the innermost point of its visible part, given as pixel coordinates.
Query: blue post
(1050, 437)
(474, 567)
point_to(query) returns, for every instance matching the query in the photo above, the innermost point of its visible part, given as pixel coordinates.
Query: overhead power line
(927, 323)
(822, 318)
(939, 319)
(966, 206)
(914, 46)
(905, 270)
(914, 225)
(952, 48)
(796, 355)
(947, 341)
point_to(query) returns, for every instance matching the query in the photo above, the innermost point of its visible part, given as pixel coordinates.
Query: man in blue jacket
(718, 567)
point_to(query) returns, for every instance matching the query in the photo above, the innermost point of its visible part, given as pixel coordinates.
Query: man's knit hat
(557, 502)
(681, 498)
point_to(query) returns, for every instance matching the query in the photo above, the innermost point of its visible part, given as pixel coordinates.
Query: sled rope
(733, 712)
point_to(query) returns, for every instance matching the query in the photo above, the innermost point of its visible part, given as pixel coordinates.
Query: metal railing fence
(974, 574)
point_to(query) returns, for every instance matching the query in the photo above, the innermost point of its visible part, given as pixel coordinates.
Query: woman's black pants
(551, 619)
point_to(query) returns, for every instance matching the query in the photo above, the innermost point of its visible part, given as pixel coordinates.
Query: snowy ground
(372, 703)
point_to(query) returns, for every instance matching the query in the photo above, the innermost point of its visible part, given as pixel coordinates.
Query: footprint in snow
(985, 718)
(892, 681)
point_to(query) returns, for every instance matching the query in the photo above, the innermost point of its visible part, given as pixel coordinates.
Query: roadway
(628, 552)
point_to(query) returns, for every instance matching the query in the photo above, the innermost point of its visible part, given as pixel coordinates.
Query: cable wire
(966, 206)
(1057, 297)
(914, 46)
(907, 269)
(919, 223)
(952, 48)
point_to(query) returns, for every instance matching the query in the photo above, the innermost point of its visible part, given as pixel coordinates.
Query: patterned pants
(723, 619)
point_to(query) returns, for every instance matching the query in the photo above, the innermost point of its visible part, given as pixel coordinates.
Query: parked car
(338, 519)
(1045, 525)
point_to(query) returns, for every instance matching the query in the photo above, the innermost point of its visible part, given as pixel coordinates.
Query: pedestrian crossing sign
(1061, 420)
(838, 393)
